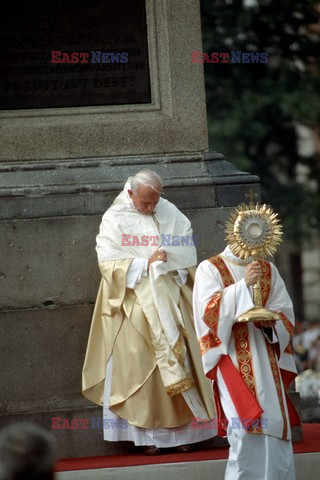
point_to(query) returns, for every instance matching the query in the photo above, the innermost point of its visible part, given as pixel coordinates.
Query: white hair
(147, 178)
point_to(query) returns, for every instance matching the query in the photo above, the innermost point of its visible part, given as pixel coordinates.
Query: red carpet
(311, 443)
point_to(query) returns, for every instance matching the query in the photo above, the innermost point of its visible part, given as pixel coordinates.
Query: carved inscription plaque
(69, 53)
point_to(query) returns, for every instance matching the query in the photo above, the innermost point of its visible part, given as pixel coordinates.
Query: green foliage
(254, 108)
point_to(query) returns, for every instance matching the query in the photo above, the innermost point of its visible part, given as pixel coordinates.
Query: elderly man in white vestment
(143, 362)
(250, 364)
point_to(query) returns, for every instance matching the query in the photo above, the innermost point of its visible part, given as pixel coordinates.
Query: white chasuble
(250, 367)
(261, 360)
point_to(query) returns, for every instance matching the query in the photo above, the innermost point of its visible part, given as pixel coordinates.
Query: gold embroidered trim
(180, 350)
(240, 263)
(226, 276)
(207, 342)
(211, 317)
(276, 377)
(255, 429)
(180, 387)
(287, 324)
(289, 327)
(244, 357)
(265, 281)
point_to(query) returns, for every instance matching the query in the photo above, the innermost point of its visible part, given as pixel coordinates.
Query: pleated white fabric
(160, 437)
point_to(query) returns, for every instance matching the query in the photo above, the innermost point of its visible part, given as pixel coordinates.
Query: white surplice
(270, 451)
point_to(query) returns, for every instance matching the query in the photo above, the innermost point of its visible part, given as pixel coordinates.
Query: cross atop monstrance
(251, 196)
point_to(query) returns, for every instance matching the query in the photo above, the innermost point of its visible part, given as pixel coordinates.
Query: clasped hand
(253, 273)
(158, 255)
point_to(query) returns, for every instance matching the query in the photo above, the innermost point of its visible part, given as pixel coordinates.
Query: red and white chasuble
(250, 367)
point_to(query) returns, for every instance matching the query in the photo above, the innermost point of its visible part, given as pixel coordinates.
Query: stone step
(307, 468)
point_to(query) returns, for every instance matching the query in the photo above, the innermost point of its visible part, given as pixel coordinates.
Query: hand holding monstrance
(254, 231)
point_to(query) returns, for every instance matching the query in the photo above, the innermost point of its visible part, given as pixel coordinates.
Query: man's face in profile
(145, 199)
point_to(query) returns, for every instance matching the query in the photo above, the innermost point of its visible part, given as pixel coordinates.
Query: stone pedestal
(49, 275)
(60, 169)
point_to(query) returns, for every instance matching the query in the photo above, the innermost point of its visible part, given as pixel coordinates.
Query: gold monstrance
(254, 231)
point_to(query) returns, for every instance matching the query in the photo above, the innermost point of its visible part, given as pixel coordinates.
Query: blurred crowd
(306, 346)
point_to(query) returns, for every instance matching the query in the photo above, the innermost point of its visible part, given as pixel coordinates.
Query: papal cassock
(250, 367)
(143, 362)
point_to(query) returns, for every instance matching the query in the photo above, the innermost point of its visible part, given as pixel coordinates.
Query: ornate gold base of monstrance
(254, 231)
(258, 314)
